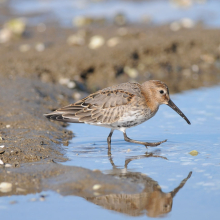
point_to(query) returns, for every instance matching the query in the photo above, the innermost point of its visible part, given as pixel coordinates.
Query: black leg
(143, 143)
(109, 141)
(111, 160)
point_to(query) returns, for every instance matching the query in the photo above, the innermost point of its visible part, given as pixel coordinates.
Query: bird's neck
(150, 100)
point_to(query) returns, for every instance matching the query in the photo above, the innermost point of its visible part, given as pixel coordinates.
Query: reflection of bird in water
(119, 107)
(151, 199)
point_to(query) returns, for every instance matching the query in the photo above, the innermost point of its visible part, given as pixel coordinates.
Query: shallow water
(199, 198)
(160, 11)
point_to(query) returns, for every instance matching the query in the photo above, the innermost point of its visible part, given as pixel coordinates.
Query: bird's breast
(132, 118)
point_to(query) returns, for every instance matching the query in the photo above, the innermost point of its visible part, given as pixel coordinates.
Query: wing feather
(105, 106)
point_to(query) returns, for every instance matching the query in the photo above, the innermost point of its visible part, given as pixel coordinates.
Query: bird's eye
(161, 91)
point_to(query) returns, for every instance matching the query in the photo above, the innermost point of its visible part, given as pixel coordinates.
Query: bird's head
(157, 93)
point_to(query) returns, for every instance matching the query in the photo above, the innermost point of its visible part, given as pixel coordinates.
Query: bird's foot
(154, 144)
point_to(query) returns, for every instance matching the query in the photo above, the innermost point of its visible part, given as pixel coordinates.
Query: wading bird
(119, 107)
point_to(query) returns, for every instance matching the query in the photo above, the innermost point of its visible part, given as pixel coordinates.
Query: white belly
(130, 119)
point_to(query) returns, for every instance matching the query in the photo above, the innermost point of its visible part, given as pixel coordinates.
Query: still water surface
(159, 11)
(199, 198)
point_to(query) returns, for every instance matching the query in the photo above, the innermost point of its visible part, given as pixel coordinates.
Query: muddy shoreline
(25, 134)
(33, 82)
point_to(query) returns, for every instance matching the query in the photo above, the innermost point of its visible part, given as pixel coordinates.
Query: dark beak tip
(188, 122)
(175, 108)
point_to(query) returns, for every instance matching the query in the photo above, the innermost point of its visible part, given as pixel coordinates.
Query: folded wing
(102, 107)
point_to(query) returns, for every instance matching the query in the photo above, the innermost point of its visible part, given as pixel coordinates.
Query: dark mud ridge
(186, 59)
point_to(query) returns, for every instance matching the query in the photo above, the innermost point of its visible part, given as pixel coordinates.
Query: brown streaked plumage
(119, 107)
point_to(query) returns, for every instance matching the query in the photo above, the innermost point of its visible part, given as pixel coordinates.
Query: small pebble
(75, 40)
(132, 72)
(96, 194)
(96, 42)
(96, 170)
(195, 68)
(194, 152)
(20, 190)
(5, 35)
(64, 81)
(96, 186)
(208, 58)
(112, 42)
(182, 3)
(40, 47)
(8, 165)
(16, 26)
(81, 21)
(76, 95)
(5, 187)
(1, 162)
(71, 84)
(175, 26)
(33, 200)
(42, 198)
(128, 150)
(2, 146)
(8, 126)
(187, 23)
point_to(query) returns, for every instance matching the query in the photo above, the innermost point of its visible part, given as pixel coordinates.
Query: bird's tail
(62, 116)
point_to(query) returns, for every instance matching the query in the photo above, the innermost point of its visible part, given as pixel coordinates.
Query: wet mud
(25, 134)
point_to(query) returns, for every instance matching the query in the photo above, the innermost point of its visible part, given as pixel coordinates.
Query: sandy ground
(30, 82)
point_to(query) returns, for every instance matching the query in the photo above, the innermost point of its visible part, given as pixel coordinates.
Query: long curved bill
(175, 108)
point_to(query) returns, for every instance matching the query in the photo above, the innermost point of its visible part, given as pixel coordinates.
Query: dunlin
(119, 107)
